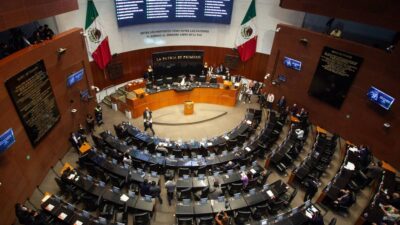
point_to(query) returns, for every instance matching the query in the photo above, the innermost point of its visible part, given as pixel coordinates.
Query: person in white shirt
(270, 100)
(148, 120)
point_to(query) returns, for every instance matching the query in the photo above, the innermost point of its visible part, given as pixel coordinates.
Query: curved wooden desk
(161, 99)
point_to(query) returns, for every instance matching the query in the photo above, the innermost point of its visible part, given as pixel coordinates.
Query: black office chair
(287, 199)
(183, 171)
(142, 218)
(235, 188)
(103, 176)
(242, 217)
(201, 170)
(90, 202)
(202, 194)
(259, 211)
(252, 184)
(116, 181)
(232, 143)
(185, 221)
(333, 221)
(107, 210)
(184, 194)
(65, 189)
(177, 153)
(209, 220)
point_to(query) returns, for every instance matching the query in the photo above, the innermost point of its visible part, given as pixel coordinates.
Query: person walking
(148, 120)
(170, 185)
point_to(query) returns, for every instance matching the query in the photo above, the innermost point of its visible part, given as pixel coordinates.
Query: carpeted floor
(164, 214)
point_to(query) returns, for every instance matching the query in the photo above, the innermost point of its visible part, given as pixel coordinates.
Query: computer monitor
(202, 78)
(203, 200)
(159, 82)
(169, 80)
(236, 195)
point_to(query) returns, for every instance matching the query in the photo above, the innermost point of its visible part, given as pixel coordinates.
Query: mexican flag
(246, 40)
(97, 39)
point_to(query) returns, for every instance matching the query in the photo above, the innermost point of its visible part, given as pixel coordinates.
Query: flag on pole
(97, 39)
(246, 40)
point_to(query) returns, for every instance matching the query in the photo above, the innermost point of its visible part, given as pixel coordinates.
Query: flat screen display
(75, 77)
(132, 12)
(6, 140)
(380, 97)
(292, 63)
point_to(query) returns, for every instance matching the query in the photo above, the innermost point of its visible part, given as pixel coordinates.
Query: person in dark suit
(89, 123)
(148, 120)
(149, 75)
(311, 189)
(145, 188)
(155, 191)
(345, 198)
(281, 103)
(98, 114)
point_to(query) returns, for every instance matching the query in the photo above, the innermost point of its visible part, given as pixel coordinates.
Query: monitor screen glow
(379, 97)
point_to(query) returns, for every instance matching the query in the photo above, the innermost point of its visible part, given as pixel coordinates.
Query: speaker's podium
(188, 107)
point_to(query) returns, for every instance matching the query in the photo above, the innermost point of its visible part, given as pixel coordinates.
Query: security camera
(277, 29)
(267, 76)
(74, 111)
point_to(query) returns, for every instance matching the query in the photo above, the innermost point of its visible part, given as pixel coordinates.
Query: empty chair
(103, 176)
(107, 211)
(201, 170)
(242, 217)
(183, 171)
(177, 153)
(235, 188)
(185, 221)
(288, 198)
(259, 211)
(202, 194)
(142, 218)
(209, 220)
(232, 143)
(184, 194)
(116, 181)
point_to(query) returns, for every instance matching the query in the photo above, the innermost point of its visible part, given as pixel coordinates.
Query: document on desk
(248, 149)
(49, 207)
(62, 216)
(350, 166)
(124, 198)
(78, 222)
(253, 171)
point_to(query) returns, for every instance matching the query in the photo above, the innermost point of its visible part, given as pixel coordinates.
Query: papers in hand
(62, 216)
(253, 171)
(124, 198)
(350, 166)
(49, 207)
(248, 149)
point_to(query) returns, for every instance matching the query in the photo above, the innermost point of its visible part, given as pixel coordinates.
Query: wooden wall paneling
(365, 125)
(18, 12)
(384, 13)
(135, 63)
(19, 176)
